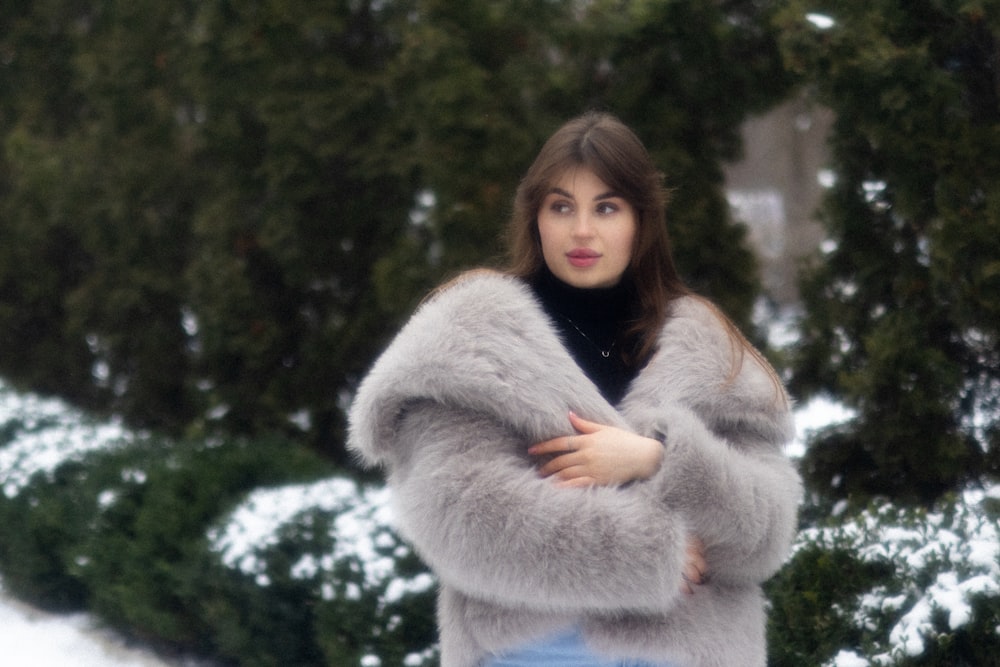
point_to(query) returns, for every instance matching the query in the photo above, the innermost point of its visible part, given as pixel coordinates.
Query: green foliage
(215, 213)
(902, 308)
(146, 574)
(121, 530)
(892, 586)
(35, 559)
(806, 624)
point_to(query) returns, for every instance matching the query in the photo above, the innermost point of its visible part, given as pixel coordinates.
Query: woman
(588, 456)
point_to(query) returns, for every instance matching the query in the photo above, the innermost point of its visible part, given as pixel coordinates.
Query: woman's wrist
(654, 456)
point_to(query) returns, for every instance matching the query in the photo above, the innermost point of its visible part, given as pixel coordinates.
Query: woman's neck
(605, 307)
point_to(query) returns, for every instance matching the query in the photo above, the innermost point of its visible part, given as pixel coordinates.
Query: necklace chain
(604, 353)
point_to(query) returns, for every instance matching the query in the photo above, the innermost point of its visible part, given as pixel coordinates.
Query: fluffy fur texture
(476, 377)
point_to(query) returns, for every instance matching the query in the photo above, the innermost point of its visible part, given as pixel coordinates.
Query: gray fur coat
(477, 376)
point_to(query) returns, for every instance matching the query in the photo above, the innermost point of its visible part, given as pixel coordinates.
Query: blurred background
(214, 214)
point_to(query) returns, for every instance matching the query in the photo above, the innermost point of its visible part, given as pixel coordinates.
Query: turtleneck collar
(606, 307)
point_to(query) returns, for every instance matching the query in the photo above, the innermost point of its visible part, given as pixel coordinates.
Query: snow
(821, 21)
(50, 434)
(361, 533)
(30, 638)
(957, 552)
(849, 659)
(810, 417)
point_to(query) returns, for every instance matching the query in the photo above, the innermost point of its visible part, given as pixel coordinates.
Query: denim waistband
(564, 649)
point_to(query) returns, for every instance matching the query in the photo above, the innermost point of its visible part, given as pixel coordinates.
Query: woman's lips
(582, 257)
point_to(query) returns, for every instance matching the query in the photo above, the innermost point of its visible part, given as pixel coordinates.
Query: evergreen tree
(102, 189)
(903, 309)
(291, 106)
(215, 213)
(40, 255)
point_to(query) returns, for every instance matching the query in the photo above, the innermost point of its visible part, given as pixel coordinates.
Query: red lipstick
(583, 257)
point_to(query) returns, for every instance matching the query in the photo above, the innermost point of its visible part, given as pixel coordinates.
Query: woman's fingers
(577, 483)
(603, 454)
(695, 572)
(554, 446)
(560, 464)
(584, 426)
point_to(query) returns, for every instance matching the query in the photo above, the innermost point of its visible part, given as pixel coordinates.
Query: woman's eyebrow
(610, 194)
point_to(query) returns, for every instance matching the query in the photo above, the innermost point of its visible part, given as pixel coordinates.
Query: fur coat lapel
(486, 344)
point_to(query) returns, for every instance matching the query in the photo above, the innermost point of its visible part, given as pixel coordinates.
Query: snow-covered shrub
(227, 548)
(42, 446)
(894, 586)
(373, 599)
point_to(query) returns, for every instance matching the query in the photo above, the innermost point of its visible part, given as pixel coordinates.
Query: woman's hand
(599, 455)
(695, 572)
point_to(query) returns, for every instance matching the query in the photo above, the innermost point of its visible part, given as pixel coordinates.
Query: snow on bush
(41, 434)
(361, 532)
(940, 561)
(347, 550)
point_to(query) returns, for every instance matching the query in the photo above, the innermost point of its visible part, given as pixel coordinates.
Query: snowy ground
(30, 638)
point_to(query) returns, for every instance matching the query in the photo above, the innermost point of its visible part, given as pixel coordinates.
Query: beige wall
(776, 188)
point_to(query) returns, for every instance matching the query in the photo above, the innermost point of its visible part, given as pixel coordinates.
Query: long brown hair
(606, 146)
(615, 154)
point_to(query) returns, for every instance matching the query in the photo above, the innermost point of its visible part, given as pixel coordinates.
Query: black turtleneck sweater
(593, 324)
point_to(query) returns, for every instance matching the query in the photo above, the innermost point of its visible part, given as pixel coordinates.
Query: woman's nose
(582, 226)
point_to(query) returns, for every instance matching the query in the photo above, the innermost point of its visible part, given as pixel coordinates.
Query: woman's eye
(560, 207)
(606, 208)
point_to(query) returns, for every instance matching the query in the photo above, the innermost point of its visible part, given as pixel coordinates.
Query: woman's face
(587, 230)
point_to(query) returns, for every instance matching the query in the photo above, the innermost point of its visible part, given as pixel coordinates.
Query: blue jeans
(565, 649)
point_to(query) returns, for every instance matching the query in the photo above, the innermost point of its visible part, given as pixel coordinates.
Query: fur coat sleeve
(479, 374)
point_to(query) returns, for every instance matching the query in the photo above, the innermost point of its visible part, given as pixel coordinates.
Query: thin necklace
(604, 353)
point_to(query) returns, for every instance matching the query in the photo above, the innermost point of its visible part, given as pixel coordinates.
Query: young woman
(588, 456)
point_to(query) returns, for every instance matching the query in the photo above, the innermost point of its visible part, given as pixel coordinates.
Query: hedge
(245, 552)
